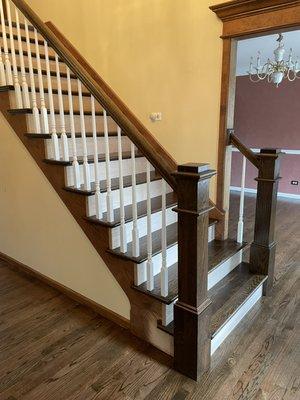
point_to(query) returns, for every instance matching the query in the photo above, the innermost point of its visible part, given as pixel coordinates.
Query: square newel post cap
(267, 152)
(199, 171)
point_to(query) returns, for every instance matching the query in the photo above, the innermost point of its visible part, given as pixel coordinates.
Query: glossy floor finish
(53, 349)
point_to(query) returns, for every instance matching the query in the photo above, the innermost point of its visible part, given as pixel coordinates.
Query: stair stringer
(145, 311)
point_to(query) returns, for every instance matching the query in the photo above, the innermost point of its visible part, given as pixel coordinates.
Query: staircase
(150, 220)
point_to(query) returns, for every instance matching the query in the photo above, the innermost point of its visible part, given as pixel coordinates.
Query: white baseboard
(280, 194)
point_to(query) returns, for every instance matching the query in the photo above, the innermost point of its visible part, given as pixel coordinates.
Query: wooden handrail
(134, 129)
(248, 153)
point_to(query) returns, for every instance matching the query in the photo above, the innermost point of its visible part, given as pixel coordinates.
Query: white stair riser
(217, 274)
(22, 29)
(236, 318)
(172, 258)
(112, 126)
(113, 146)
(114, 170)
(64, 82)
(86, 101)
(24, 47)
(156, 220)
(141, 269)
(141, 192)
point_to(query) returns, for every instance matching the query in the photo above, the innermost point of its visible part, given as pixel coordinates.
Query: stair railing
(190, 182)
(263, 247)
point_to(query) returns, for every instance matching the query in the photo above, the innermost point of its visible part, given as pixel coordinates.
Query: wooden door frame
(241, 19)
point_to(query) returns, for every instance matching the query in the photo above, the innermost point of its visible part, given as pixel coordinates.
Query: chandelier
(277, 70)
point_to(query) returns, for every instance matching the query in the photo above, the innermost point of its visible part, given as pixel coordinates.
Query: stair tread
(229, 247)
(66, 112)
(127, 182)
(23, 38)
(77, 135)
(101, 158)
(227, 297)
(75, 93)
(141, 210)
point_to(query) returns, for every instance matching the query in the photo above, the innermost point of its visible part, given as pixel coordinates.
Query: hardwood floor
(54, 349)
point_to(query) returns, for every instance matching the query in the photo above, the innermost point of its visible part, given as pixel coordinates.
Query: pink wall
(267, 116)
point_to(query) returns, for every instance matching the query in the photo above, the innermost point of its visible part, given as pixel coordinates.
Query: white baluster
(164, 267)
(135, 231)
(25, 91)
(150, 276)
(96, 163)
(44, 112)
(19, 103)
(75, 164)
(2, 71)
(86, 168)
(55, 145)
(123, 239)
(64, 138)
(9, 78)
(35, 110)
(240, 233)
(110, 210)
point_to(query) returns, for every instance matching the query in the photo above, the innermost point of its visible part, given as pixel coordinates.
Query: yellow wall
(38, 230)
(158, 55)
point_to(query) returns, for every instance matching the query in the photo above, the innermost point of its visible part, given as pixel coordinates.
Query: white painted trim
(290, 152)
(236, 318)
(280, 194)
(218, 273)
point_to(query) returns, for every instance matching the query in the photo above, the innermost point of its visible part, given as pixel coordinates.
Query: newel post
(263, 248)
(192, 311)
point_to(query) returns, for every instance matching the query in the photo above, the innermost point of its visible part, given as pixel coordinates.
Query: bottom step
(232, 298)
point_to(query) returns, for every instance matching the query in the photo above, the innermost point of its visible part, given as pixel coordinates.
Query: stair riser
(156, 224)
(22, 29)
(172, 258)
(112, 126)
(64, 82)
(24, 47)
(113, 146)
(86, 102)
(141, 191)
(140, 275)
(217, 274)
(114, 170)
(236, 318)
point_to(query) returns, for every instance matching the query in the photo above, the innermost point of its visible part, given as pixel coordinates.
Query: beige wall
(38, 230)
(158, 55)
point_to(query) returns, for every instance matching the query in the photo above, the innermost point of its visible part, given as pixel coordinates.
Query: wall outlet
(295, 183)
(156, 116)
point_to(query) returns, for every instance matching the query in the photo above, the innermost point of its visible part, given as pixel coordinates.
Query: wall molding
(280, 194)
(79, 298)
(286, 151)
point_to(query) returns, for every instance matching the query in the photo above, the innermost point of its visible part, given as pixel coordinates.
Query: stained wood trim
(244, 8)
(243, 19)
(79, 298)
(134, 129)
(248, 153)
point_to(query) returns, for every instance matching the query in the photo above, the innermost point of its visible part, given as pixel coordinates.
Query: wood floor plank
(53, 349)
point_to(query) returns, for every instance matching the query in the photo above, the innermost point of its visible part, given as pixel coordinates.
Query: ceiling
(266, 45)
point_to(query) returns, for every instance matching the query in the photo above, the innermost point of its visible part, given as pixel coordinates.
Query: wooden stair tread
(101, 158)
(46, 90)
(127, 182)
(227, 297)
(16, 111)
(33, 54)
(78, 135)
(141, 210)
(23, 38)
(215, 257)
(44, 72)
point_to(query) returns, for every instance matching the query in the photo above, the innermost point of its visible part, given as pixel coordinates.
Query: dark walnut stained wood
(248, 153)
(126, 155)
(228, 296)
(156, 206)
(141, 178)
(218, 252)
(56, 349)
